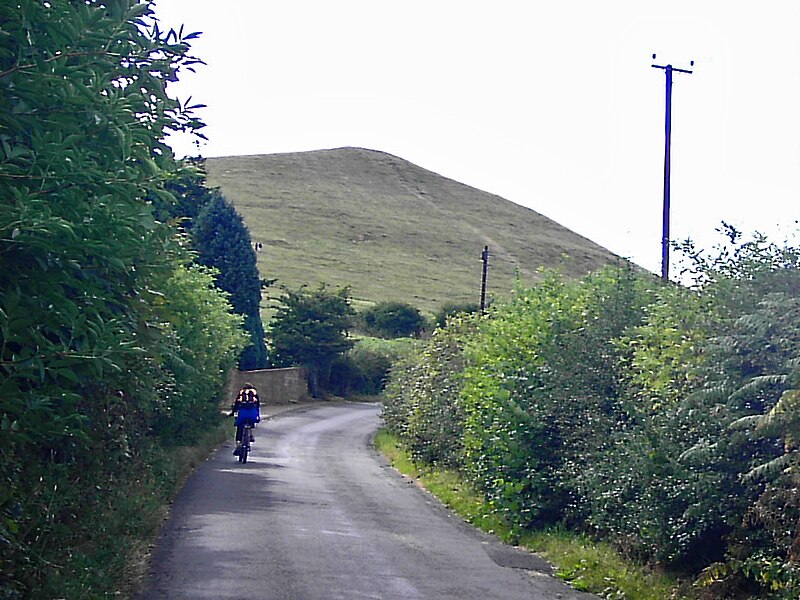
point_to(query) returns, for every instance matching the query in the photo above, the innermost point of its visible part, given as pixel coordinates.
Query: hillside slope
(390, 229)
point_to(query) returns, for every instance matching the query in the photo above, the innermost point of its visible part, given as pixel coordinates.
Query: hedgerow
(112, 346)
(660, 417)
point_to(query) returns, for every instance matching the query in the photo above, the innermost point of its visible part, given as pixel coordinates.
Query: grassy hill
(390, 229)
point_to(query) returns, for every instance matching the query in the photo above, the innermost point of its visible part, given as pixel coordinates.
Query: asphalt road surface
(316, 513)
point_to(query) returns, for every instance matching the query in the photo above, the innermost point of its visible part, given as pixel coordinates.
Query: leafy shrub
(451, 309)
(423, 403)
(638, 491)
(203, 339)
(661, 418)
(690, 484)
(756, 360)
(542, 391)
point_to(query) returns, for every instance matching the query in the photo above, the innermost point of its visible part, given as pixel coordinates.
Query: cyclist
(247, 408)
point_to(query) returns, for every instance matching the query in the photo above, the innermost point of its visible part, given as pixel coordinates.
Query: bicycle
(244, 449)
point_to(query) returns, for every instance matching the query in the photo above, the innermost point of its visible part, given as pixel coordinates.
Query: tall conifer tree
(223, 242)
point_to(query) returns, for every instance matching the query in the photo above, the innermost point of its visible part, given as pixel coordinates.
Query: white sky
(552, 105)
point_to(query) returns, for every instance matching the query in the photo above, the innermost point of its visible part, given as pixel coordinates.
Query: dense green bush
(638, 490)
(542, 392)
(753, 370)
(202, 338)
(391, 320)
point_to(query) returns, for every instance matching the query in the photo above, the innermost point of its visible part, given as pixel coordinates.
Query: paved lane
(317, 514)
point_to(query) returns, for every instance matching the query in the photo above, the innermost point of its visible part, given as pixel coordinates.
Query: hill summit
(389, 229)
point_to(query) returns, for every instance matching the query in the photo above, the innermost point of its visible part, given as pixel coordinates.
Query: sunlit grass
(390, 446)
(588, 566)
(597, 567)
(447, 486)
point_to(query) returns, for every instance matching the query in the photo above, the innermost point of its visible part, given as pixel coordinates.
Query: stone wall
(275, 386)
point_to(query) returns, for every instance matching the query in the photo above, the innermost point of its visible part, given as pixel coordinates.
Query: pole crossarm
(671, 68)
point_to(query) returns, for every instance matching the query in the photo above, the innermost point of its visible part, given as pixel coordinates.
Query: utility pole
(668, 70)
(485, 258)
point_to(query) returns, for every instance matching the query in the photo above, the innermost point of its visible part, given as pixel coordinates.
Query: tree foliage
(541, 392)
(189, 194)
(108, 343)
(423, 402)
(753, 371)
(310, 330)
(223, 242)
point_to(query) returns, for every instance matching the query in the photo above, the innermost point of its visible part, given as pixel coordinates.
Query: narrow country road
(317, 514)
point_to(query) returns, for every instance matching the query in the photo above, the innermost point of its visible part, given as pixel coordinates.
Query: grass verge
(588, 566)
(598, 568)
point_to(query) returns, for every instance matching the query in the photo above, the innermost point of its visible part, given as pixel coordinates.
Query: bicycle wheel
(245, 444)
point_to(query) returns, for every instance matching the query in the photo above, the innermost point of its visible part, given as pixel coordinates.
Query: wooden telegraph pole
(485, 258)
(668, 70)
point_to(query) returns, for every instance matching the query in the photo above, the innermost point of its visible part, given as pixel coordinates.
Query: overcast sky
(552, 105)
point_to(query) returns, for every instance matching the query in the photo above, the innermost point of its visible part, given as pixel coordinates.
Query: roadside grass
(587, 565)
(598, 568)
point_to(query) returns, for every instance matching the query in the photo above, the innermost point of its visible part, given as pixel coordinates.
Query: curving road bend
(317, 514)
